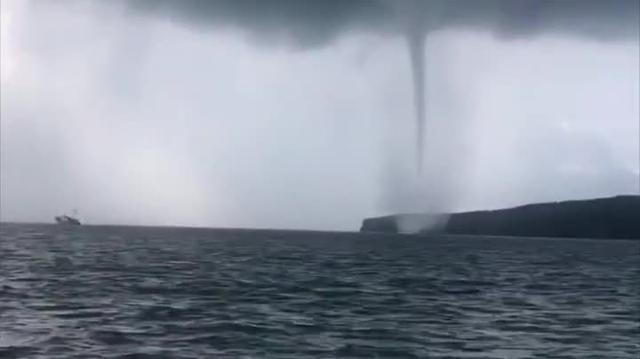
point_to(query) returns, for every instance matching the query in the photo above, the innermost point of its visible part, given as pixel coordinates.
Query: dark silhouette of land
(613, 218)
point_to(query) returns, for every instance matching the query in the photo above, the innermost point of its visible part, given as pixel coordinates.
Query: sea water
(134, 292)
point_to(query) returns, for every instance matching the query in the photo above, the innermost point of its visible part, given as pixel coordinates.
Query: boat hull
(66, 220)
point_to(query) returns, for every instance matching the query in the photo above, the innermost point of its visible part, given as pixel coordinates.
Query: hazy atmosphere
(301, 114)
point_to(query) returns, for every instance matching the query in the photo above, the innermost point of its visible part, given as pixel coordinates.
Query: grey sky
(181, 115)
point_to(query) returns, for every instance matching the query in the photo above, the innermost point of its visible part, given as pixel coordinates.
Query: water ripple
(125, 292)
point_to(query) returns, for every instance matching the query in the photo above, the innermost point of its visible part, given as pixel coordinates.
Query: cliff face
(615, 217)
(386, 224)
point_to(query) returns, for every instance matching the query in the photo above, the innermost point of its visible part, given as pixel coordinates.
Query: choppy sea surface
(127, 292)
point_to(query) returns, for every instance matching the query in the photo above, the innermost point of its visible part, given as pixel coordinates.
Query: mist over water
(433, 184)
(213, 113)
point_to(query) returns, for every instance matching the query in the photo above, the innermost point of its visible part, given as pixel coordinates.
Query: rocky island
(611, 218)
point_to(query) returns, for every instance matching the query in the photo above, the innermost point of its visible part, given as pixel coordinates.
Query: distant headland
(612, 218)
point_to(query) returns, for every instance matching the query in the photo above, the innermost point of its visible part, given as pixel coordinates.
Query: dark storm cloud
(304, 22)
(608, 19)
(313, 22)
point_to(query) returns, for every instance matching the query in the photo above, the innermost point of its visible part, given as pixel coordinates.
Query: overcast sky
(286, 114)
